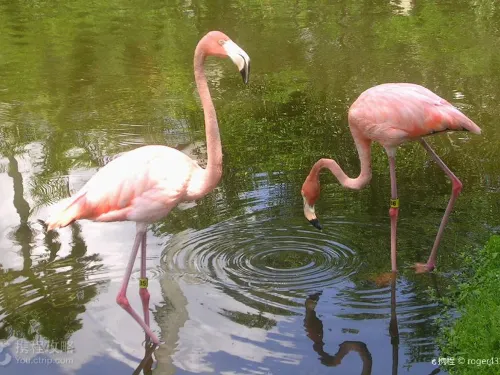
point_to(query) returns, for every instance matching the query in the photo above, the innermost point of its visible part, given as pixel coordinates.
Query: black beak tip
(316, 224)
(245, 73)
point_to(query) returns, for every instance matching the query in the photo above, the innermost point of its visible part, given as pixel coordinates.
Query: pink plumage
(391, 114)
(143, 185)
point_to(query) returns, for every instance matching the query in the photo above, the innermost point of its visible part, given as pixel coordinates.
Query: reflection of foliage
(51, 293)
(121, 89)
(106, 77)
(48, 297)
(291, 259)
(249, 320)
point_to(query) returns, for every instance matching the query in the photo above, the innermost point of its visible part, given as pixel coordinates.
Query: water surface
(240, 283)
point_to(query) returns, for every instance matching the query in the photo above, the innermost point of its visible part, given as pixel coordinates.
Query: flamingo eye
(222, 41)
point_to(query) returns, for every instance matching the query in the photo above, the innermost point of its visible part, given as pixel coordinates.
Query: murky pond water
(240, 283)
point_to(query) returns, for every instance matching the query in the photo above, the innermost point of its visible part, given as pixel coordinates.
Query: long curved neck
(364, 152)
(213, 172)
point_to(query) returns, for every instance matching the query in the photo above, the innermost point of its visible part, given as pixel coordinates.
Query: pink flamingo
(392, 114)
(144, 184)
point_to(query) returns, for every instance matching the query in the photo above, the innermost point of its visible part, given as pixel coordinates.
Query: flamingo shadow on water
(314, 328)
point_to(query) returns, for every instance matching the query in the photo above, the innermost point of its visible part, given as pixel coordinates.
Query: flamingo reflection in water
(148, 363)
(314, 329)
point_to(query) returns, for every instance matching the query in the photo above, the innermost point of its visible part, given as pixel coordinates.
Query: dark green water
(240, 282)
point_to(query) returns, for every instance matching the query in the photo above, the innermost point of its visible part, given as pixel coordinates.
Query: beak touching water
(239, 57)
(310, 215)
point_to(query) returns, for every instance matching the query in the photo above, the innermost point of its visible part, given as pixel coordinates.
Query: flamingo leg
(394, 210)
(121, 298)
(143, 284)
(455, 192)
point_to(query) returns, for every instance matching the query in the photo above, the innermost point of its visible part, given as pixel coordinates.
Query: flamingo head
(310, 194)
(219, 44)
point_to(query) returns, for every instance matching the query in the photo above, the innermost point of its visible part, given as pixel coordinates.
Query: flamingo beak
(239, 57)
(310, 215)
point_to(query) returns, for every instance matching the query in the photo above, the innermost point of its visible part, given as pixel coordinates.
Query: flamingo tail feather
(71, 212)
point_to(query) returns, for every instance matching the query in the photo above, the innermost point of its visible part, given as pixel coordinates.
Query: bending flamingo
(392, 114)
(143, 185)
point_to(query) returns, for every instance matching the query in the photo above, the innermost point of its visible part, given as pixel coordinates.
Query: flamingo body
(391, 114)
(142, 185)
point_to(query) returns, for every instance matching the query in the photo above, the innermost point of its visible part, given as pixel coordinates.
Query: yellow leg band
(143, 283)
(395, 203)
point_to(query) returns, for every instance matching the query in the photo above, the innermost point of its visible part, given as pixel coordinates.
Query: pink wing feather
(396, 112)
(141, 185)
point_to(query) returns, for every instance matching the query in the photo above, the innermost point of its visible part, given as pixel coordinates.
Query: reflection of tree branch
(20, 203)
(44, 294)
(23, 234)
(314, 328)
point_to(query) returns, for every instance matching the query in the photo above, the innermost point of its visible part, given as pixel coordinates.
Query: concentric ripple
(258, 261)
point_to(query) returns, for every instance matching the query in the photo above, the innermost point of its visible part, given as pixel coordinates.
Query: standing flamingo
(392, 114)
(144, 184)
